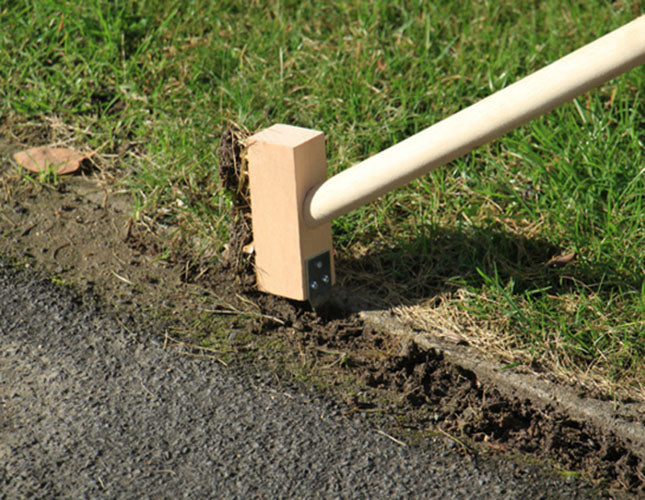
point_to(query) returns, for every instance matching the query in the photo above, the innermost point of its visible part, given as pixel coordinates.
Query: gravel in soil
(81, 231)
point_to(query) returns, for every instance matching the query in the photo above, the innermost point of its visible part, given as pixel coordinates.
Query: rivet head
(325, 279)
(314, 285)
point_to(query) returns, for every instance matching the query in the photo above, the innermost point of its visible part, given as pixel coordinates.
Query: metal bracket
(319, 278)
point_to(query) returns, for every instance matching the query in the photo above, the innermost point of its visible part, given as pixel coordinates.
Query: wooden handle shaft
(505, 110)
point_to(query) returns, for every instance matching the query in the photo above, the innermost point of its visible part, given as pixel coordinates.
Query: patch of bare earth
(82, 231)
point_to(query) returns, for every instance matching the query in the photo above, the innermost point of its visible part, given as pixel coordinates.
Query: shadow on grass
(439, 260)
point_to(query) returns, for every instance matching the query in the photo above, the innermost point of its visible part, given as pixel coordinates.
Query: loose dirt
(82, 232)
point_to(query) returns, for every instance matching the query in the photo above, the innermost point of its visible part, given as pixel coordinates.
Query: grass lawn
(151, 85)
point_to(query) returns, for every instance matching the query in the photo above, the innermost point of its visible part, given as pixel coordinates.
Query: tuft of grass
(151, 85)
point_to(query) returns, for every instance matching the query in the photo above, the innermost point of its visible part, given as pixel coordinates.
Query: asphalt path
(92, 406)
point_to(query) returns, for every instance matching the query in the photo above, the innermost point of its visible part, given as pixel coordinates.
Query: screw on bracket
(319, 278)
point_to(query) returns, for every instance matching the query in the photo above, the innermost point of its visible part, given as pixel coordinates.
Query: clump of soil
(451, 397)
(429, 394)
(234, 178)
(233, 166)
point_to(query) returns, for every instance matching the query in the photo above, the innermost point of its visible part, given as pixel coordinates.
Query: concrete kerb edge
(606, 416)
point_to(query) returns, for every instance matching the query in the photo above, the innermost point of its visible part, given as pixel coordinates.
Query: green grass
(152, 84)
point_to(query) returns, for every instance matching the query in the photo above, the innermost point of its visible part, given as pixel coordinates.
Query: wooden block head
(291, 259)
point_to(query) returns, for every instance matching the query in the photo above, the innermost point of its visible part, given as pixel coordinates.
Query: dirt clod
(234, 178)
(400, 377)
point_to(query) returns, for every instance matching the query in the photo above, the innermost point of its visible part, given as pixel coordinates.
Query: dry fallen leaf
(562, 260)
(41, 159)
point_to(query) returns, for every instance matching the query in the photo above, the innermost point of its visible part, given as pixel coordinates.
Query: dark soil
(430, 394)
(233, 176)
(82, 232)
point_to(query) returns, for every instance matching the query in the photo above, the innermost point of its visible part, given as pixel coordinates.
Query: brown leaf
(41, 159)
(562, 260)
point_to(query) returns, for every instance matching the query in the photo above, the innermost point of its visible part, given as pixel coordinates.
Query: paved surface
(90, 409)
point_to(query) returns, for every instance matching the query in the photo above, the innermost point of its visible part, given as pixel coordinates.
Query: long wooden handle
(534, 95)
